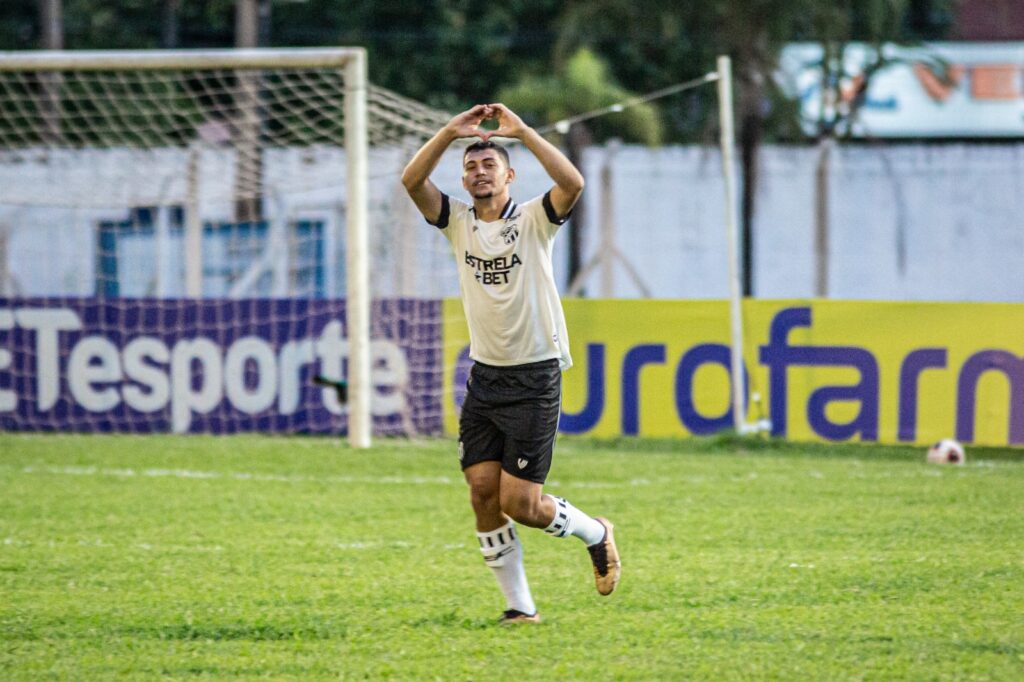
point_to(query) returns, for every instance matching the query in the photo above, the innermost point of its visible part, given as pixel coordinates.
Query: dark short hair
(487, 144)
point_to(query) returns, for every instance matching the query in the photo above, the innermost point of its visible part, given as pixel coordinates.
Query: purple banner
(211, 366)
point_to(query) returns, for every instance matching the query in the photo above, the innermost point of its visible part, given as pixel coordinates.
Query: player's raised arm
(416, 176)
(568, 179)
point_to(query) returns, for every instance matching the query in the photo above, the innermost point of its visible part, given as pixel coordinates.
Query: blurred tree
(451, 53)
(448, 53)
(652, 44)
(864, 27)
(19, 24)
(583, 85)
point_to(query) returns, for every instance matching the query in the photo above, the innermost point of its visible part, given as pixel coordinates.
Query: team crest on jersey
(510, 233)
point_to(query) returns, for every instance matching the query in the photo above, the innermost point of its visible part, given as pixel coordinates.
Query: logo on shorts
(462, 451)
(522, 462)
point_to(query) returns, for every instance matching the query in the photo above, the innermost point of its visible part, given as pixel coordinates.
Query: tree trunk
(752, 127)
(170, 33)
(51, 37)
(51, 24)
(753, 75)
(577, 140)
(249, 164)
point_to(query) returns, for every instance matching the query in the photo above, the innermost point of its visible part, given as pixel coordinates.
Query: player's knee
(484, 499)
(521, 509)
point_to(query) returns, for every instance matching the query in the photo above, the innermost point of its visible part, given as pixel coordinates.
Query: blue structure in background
(229, 249)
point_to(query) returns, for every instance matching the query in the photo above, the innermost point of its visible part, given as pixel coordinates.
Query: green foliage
(584, 85)
(651, 45)
(452, 53)
(140, 557)
(448, 53)
(19, 24)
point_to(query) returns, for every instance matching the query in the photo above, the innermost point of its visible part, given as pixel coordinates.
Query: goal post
(48, 106)
(727, 141)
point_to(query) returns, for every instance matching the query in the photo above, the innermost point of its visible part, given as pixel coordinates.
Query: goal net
(187, 239)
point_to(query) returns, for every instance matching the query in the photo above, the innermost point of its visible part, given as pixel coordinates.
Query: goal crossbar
(254, 58)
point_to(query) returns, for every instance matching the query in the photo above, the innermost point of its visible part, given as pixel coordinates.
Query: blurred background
(879, 142)
(880, 189)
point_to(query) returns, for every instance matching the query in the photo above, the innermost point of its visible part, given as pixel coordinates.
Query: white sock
(504, 554)
(571, 521)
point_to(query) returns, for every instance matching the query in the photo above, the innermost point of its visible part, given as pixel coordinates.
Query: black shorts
(510, 415)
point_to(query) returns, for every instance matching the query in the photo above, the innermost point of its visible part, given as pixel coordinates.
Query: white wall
(906, 222)
(954, 213)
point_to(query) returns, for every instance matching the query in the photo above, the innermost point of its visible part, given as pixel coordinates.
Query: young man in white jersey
(518, 341)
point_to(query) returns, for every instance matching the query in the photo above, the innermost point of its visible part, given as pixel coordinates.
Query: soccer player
(518, 342)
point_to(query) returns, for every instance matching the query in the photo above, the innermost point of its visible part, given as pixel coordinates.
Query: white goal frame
(352, 62)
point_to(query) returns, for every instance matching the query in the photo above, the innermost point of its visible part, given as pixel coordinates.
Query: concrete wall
(906, 222)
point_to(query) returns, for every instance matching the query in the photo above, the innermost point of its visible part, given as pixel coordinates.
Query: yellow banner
(817, 370)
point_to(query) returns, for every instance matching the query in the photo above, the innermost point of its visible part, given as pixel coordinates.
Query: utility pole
(170, 26)
(577, 139)
(51, 24)
(249, 167)
(247, 23)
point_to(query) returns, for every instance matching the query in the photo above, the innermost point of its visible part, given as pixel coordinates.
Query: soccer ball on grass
(946, 451)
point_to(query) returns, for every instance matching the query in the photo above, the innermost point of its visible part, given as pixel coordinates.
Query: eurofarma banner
(831, 371)
(213, 366)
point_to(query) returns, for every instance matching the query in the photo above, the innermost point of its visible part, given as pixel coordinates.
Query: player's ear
(511, 175)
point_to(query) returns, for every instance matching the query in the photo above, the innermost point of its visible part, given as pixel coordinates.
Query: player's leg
(484, 480)
(527, 504)
(499, 541)
(530, 425)
(480, 448)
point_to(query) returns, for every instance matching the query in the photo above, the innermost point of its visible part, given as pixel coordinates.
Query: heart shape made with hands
(491, 117)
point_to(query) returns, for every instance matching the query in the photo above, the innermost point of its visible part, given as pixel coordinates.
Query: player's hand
(467, 124)
(509, 123)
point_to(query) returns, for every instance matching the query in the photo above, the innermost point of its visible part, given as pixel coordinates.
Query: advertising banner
(823, 370)
(210, 366)
(940, 89)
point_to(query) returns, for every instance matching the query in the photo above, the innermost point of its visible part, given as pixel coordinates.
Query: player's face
(484, 174)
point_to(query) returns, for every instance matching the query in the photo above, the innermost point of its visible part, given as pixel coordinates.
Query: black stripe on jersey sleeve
(446, 210)
(549, 209)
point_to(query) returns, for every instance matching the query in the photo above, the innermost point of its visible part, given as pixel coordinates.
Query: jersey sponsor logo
(493, 270)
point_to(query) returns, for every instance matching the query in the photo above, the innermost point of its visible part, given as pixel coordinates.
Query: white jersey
(508, 285)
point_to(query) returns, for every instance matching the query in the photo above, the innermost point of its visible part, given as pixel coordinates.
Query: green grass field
(298, 558)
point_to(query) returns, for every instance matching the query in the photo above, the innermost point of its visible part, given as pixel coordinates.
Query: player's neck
(489, 209)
